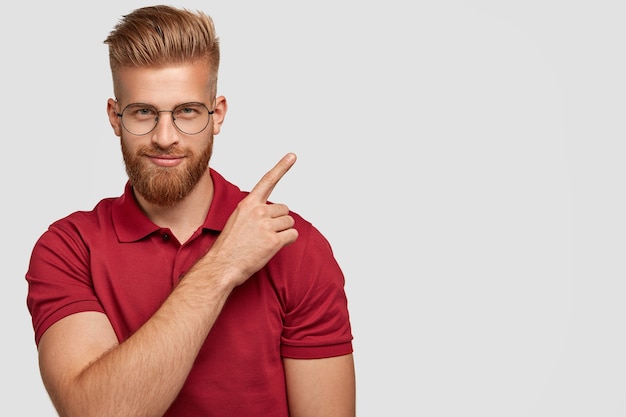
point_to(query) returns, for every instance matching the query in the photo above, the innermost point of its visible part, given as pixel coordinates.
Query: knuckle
(259, 211)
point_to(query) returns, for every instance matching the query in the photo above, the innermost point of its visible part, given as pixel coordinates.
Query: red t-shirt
(114, 260)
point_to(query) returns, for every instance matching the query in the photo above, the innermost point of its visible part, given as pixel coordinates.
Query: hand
(255, 231)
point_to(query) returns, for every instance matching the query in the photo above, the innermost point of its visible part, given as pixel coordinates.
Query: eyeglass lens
(189, 118)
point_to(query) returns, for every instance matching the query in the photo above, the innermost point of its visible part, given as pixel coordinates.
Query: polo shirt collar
(132, 224)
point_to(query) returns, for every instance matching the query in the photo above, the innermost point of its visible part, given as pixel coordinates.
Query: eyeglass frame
(156, 119)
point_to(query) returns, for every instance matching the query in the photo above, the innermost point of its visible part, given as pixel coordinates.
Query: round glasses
(190, 118)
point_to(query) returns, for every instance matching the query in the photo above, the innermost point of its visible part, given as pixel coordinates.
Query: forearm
(143, 375)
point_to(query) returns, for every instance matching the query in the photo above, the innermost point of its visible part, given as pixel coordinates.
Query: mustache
(172, 151)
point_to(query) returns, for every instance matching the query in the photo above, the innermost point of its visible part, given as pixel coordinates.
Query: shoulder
(86, 219)
(310, 258)
(77, 227)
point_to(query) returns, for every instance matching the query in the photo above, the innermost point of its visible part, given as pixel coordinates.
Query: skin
(84, 368)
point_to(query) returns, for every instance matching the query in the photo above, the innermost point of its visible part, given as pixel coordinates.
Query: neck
(184, 217)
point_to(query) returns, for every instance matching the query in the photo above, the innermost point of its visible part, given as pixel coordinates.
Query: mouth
(166, 160)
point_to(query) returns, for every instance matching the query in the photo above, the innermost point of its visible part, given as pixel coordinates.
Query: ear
(219, 113)
(114, 119)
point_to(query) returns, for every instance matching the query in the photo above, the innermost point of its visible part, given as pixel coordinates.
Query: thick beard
(162, 186)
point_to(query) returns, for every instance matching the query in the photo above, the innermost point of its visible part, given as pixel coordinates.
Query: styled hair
(162, 35)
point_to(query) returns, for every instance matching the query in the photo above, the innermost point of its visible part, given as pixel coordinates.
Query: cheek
(129, 151)
(125, 151)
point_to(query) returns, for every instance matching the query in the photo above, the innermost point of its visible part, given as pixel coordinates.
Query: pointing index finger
(265, 186)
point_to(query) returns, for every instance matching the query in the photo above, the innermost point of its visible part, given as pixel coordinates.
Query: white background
(464, 158)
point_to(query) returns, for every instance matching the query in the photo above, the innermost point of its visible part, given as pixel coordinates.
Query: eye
(189, 111)
(140, 112)
(146, 113)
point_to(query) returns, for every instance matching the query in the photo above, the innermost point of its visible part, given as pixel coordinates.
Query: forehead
(164, 86)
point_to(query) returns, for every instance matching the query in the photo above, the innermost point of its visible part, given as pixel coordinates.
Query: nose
(165, 133)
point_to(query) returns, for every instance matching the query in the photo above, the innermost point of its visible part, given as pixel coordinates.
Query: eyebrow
(141, 103)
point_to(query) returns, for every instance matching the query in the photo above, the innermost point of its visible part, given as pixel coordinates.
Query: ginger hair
(162, 35)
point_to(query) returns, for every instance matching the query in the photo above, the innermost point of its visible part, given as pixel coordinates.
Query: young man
(186, 296)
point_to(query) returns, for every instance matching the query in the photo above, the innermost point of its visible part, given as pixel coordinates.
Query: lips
(165, 160)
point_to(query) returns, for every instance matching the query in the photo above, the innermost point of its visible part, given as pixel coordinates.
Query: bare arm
(321, 387)
(86, 371)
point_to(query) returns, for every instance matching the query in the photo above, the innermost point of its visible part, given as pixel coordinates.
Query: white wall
(464, 158)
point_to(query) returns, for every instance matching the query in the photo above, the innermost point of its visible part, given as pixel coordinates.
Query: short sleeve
(316, 322)
(58, 277)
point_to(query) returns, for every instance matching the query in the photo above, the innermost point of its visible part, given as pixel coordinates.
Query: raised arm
(87, 373)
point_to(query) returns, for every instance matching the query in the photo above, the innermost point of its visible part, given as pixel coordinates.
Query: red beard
(160, 185)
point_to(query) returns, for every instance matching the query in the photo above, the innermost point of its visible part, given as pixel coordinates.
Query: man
(186, 296)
